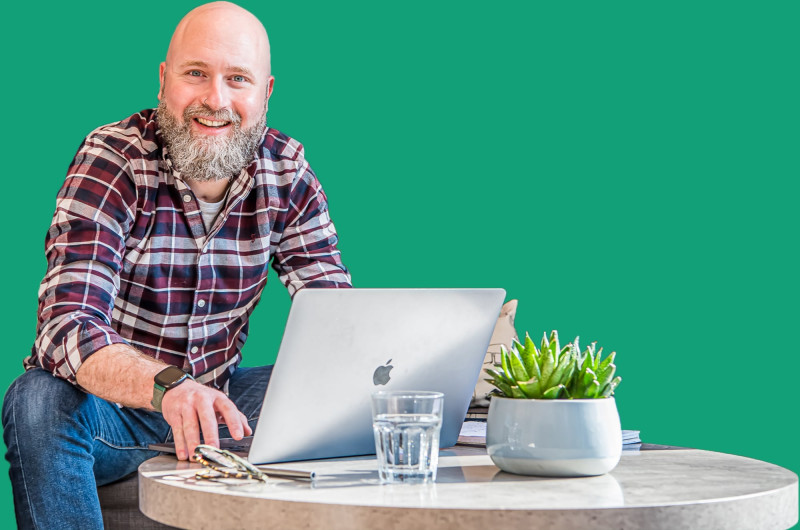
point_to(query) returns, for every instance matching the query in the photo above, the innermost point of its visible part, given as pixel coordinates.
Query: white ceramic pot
(554, 437)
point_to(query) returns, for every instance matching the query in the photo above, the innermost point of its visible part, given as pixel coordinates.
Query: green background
(627, 170)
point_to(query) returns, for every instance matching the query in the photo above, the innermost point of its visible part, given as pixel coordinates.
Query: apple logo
(381, 375)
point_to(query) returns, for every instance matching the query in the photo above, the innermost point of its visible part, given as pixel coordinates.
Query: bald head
(225, 25)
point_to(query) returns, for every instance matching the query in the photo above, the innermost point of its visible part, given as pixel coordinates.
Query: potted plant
(553, 413)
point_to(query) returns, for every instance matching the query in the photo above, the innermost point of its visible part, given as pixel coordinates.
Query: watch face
(169, 376)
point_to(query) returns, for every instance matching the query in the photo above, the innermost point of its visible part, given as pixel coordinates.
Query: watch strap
(160, 390)
(158, 396)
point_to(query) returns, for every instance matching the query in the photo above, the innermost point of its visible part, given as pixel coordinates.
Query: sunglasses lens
(228, 461)
(214, 455)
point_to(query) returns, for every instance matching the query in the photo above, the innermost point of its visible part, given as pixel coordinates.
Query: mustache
(223, 114)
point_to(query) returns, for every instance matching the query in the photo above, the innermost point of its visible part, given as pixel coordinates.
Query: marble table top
(655, 487)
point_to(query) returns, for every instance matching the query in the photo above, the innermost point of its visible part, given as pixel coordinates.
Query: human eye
(194, 73)
(239, 78)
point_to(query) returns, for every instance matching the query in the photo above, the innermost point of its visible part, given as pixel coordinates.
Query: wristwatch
(169, 377)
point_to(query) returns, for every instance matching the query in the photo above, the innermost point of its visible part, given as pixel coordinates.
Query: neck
(209, 191)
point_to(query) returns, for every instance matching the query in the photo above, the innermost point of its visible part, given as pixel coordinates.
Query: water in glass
(407, 446)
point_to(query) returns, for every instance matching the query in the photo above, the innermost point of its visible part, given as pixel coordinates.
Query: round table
(655, 487)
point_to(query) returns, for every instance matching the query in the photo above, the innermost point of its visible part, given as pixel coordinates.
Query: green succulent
(553, 372)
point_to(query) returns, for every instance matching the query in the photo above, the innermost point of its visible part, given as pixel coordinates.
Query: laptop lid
(341, 345)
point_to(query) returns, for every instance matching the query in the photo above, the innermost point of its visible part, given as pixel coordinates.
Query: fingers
(209, 426)
(248, 431)
(180, 442)
(192, 409)
(191, 430)
(235, 420)
(185, 429)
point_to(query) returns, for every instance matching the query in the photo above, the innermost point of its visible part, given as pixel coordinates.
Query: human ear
(162, 68)
(270, 83)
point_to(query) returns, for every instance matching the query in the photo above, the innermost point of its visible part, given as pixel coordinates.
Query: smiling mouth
(212, 123)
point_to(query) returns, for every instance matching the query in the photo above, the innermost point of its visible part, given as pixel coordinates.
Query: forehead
(221, 43)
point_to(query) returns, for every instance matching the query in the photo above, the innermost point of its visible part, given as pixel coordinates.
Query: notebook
(341, 345)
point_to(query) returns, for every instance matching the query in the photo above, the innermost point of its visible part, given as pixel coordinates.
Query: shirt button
(201, 303)
(205, 249)
(194, 349)
(187, 198)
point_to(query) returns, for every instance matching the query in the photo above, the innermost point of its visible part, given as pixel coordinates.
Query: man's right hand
(120, 374)
(191, 409)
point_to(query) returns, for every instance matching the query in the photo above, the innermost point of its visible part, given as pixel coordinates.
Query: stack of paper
(630, 437)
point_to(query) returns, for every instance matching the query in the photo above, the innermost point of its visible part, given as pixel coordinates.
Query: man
(157, 255)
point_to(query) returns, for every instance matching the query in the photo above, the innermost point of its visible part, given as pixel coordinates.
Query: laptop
(341, 345)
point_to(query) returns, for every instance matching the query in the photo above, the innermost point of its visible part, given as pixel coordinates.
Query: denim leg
(246, 389)
(58, 439)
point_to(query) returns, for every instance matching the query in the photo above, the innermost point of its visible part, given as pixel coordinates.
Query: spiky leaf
(518, 371)
(605, 362)
(578, 386)
(588, 377)
(517, 393)
(553, 392)
(606, 375)
(561, 371)
(505, 363)
(536, 368)
(549, 365)
(502, 386)
(597, 357)
(531, 388)
(537, 371)
(531, 347)
(588, 357)
(499, 376)
(609, 389)
(555, 347)
(528, 361)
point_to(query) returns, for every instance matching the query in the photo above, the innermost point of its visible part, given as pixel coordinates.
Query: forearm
(120, 374)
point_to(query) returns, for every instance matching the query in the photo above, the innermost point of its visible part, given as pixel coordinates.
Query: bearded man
(157, 255)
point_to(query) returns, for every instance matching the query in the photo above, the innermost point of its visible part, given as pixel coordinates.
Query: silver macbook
(341, 345)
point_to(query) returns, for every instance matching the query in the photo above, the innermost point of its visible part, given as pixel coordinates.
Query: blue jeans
(62, 443)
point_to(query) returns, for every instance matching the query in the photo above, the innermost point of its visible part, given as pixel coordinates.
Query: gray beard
(209, 158)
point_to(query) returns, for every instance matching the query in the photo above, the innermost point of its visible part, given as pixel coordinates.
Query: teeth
(211, 123)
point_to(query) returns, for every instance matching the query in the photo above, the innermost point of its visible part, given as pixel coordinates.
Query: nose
(216, 96)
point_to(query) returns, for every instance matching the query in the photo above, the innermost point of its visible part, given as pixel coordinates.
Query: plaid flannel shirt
(130, 261)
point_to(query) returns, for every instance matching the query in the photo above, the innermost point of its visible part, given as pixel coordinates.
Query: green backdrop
(627, 170)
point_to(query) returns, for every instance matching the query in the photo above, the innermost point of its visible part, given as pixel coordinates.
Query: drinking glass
(407, 426)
